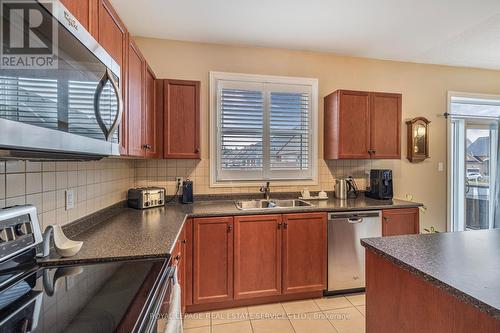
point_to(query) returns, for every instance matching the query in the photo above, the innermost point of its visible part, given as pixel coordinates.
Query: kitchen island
(443, 282)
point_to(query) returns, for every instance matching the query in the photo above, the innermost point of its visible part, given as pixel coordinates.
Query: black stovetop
(85, 298)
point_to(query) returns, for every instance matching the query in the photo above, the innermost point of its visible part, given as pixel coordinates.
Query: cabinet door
(86, 12)
(354, 124)
(400, 221)
(153, 119)
(181, 265)
(188, 262)
(385, 125)
(182, 119)
(135, 85)
(213, 260)
(112, 35)
(304, 252)
(257, 256)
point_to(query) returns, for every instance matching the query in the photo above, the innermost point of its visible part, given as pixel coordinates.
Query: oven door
(71, 104)
(157, 309)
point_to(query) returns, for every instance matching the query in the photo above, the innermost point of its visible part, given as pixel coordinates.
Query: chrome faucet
(266, 190)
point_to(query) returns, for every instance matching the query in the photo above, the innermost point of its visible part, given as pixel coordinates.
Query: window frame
(214, 154)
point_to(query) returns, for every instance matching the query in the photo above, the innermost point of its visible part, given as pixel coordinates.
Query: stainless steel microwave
(64, 104)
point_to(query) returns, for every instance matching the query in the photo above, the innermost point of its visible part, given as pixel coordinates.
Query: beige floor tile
(267, 311)
(229, 316)
(238, 327)
(358, 299)
(312, 322)
(348, 320)
(300, 307)
(272, 326)
(362, 309)
(331, 303)
(200, 319)
(161, 324)
(204, 329)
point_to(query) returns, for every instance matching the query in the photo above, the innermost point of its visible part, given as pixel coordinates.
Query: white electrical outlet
(70, 199)
(178, 181)
(440, 166)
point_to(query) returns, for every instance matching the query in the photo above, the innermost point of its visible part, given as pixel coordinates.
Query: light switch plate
(70, 199)
(440, 166)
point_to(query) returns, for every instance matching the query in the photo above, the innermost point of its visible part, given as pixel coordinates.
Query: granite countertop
(466, 264)
(151, 233)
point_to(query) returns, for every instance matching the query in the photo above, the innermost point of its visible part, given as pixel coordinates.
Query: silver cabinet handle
(108, 76)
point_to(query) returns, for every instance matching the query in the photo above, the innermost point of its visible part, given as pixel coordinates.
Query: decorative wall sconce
(418, 139)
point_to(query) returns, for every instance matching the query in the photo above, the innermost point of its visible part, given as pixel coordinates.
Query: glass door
(473, 153)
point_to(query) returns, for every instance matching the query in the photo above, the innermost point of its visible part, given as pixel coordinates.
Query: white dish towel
(174, 324)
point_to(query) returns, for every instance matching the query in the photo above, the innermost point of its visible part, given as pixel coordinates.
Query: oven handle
(108, 76)
(148, 322)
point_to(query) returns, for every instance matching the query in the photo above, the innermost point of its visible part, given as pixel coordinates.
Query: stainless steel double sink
(271, 204)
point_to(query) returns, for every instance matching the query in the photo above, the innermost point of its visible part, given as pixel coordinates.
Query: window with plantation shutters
(263, 128)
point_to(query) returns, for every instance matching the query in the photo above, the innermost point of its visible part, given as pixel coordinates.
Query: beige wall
(424, 89)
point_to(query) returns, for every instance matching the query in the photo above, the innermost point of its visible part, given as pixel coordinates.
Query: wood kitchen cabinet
(112, 35)
(304, 252)
(181, 119)
(257, 256)
(181, 256)
(212, 259)
(403, 221)
(86, 12)
(153, 116)
(136, 101)
(385, 125)
(362, 125)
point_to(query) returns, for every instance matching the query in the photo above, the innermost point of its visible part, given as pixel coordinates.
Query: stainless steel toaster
(146, 197)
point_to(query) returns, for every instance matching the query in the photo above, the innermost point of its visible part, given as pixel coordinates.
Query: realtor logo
(28, 35)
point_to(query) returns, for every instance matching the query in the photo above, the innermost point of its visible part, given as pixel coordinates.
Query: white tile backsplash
(16, 185)
(99, 184)
(43, 184)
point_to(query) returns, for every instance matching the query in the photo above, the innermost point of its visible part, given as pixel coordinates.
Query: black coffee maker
(380, 184)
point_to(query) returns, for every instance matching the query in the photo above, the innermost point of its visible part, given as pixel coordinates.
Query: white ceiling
(451, 32)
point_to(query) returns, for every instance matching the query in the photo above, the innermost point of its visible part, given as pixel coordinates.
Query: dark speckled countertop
(151, 233)
(466, 264)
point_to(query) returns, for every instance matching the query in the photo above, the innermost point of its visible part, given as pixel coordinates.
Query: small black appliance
(187, 192)
(380, 184)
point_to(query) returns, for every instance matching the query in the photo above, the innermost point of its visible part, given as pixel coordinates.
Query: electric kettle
(344, 186)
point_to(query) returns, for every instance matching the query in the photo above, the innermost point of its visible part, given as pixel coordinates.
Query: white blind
(241, 120)
(263, 131)
(464, 106)
(289, 131)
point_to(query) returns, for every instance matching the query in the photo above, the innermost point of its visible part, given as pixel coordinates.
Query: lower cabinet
(257, 256)
(402, 221)
(304, 252)
(250, 257)
(212, 259)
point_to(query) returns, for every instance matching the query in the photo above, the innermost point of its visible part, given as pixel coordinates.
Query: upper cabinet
(136, 101)
(362, 125)
(181, 119)
(85, 11)
(153, 117)
(113, 36)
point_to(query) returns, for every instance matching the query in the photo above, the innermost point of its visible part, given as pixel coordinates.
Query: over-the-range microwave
(60, 92)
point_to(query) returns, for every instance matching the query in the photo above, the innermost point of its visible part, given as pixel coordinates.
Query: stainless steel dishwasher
(346, 255)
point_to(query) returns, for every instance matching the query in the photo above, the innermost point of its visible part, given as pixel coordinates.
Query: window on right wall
(263, 128)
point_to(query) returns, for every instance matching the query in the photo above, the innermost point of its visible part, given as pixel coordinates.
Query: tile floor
(338, 314)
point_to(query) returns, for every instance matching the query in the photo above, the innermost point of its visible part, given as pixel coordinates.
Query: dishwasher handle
(355, 220)
(353, 215)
